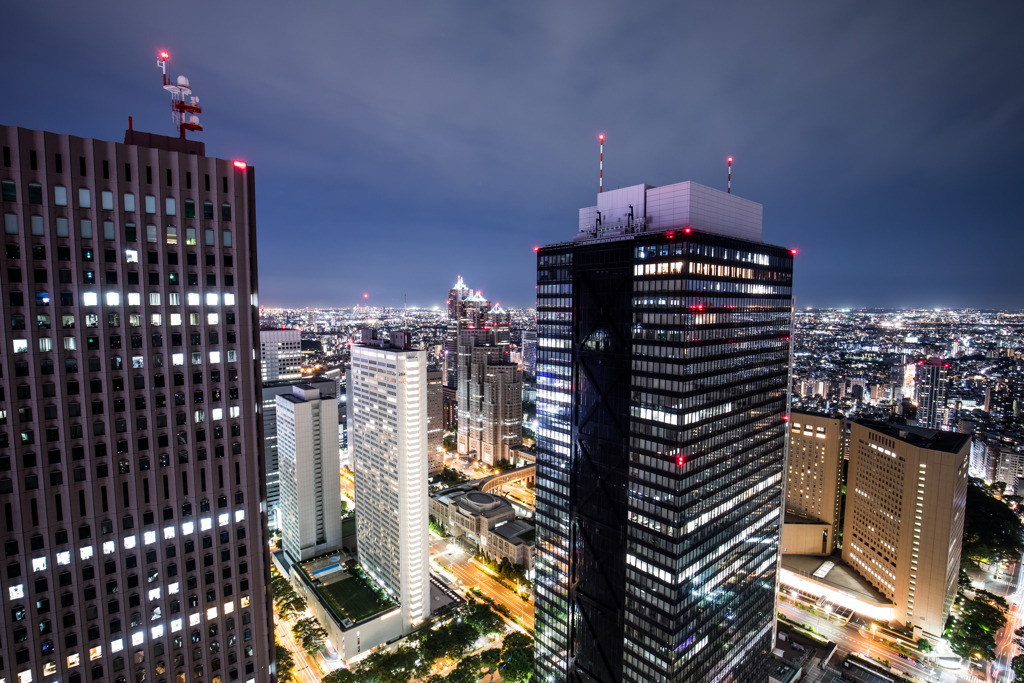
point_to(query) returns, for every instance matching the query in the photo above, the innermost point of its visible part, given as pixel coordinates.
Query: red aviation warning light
(185, 107)
(680, 460)
(793, 252)
(785, 418)
(164, 56)
(687, 229)
(240, 165)
(536, 248)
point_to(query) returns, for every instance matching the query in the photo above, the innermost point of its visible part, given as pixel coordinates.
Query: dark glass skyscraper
(662, 377)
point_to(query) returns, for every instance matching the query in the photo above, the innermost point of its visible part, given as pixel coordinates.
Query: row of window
(13, 251)
(9, 193)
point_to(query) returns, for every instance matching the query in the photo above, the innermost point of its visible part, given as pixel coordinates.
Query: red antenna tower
(183, 113)
(728, 189)
(600, 177)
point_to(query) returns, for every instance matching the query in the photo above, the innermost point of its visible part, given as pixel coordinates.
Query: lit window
(177, 359)
(217, 414)
(156, 319)
(138, 362)
(173, 589)
(172, 234)
(63, 558)
(193, 298)
(214, 356)
(211, 613)
(85, 553)
(131, 256)
(74, 660)
(49, 668)
(188, 527)
(244, 602)
(109, 547)
(175, 319)
(234, 411)
(25, 676)
(194, 619)
(138, 637)
(229, 299)
(149, 537)
(168, 532)
(229, 607)
(117, 645)
(239, 515)
(156, 631)
(154, 593)
(46, 344)
(197, 358)
(233, 356)
(176, 625)
(95, 652)
(154, 298)
(205, 524)
(211, 299)
(129, 542)
(200, 416)
(223, 519)
(113, 298)
(134, 299)
(16, 592)
(212, 319)
(21, 345)
(90, 299)
(70, 344)
(173, 299)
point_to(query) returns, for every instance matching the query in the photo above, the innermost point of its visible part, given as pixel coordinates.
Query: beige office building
(905, 497)
(814, 482)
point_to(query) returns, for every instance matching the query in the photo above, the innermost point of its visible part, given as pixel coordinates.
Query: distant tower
(931, 394)
(183, 113)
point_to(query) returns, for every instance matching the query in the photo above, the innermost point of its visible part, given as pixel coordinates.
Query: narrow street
(306, 670)
(470, 574)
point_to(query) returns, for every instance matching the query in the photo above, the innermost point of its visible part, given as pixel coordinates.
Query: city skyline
(865, 156)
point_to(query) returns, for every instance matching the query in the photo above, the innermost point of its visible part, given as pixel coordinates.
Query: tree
(287, 602)
(517, 658)
(341, 676)
(310, 634)
(490, 659)
(384, 666)
(1017, 665)
(285, 664)
(991, 528)
(468, 671)
(924, 645)
(1018, 639)
(483, 618)
(979, 621)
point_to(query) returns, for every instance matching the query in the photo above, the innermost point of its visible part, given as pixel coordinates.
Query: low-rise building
(513, 539)
(470, 513)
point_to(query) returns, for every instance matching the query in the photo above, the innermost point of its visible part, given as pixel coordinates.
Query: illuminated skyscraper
(282, 354)
(490, 398)
(435, 426)
(387, 399)
(931, 393)
(132, 479)
(662, 375)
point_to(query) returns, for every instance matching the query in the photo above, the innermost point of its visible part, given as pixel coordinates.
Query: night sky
(399, 144)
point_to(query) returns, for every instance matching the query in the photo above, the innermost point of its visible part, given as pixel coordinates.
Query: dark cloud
(398, 144)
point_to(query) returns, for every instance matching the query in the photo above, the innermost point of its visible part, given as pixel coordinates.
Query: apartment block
(281, 353)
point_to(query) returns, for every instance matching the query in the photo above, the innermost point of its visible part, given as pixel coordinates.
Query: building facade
(435, 420)
(132, 477)
(281, 351)
(307, 435)
(814, 483)
(271, 390)
(931, 394)
(662, 375)
(906, 492)
(490, 398)
(530, 353)
(387, 400)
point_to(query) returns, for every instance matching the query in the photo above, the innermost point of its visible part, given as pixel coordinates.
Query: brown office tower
(814, 482)
(905, 496)
(132, 483)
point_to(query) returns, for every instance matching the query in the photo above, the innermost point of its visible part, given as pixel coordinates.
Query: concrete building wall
(814, 476)
(281, 351)
(904, 518)
(807, 539)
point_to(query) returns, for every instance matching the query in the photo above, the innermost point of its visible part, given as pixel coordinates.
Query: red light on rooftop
(164, 56)
(785, 418)
(536, 248)
(366, 296)
(601, 137)
(730, 160)
(793, 252)
(687, 230)
(240, 165)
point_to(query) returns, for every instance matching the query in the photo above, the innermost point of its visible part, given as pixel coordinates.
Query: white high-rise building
(310, 483)
(387, 397)
(281, 352)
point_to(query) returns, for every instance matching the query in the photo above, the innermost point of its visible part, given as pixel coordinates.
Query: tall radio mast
(184, 105)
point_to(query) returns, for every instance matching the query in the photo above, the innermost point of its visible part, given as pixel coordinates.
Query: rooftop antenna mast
(728, 189)
(184, 105)
(600, 177)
